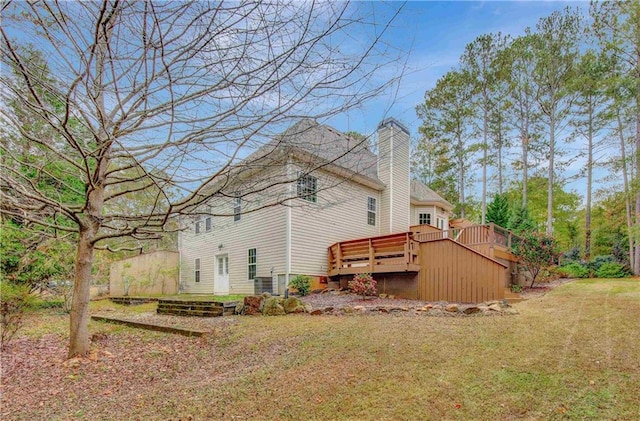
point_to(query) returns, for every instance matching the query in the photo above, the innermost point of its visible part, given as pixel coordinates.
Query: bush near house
(302, 283)
(363, 284)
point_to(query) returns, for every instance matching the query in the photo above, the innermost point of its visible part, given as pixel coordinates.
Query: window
(237, 207)
(252, 263)
(197, 270)
(308, 188)
(198, 227)
(424, 218)
(371, 211)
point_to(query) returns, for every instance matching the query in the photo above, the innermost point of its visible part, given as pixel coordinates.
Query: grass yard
(571, 354)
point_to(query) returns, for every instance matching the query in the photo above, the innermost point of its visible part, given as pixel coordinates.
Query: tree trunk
(484, 165)
(627, 194)
(587, 218)
(79, 334)
(636, 269)
(552, 145)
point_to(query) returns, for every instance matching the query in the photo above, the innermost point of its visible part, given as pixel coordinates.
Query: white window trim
(197, 273)
(254, 264)
(373, 211)
(311, 197)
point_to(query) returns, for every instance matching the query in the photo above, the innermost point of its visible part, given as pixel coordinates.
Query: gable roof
(422, 194)
(331, 146)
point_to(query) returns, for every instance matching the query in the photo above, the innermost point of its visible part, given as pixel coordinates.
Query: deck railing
(474, 235)
(374, 254)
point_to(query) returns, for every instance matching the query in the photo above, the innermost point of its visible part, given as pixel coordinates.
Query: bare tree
(160, 97)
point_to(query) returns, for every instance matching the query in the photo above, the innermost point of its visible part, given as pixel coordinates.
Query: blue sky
(435, 34)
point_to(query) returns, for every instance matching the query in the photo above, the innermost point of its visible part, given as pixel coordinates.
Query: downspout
(179, 257)
(391, 144)
(288, 230)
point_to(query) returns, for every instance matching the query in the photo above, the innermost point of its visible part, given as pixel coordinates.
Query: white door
(221, 282)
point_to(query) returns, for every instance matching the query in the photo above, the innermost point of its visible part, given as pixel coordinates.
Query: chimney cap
(392, 122)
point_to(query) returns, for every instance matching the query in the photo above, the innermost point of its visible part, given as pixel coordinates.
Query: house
(341, 190)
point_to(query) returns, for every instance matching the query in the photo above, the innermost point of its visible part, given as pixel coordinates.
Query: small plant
(16, 299)
(612, 270)
(363, 284)
(302, 283)
(516, 288)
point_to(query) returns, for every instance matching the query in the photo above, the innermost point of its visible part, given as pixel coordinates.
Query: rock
(347, 310)
(382, 295)
(360, 309)
(391, 297)
(308, 307)
(495, 307)
(272, 307)
(293, 305)
(471, 310)
(316, 312)
(398, 309)
(253, 305)
(266, 295)
(382, 309)
(451, 308)
(328, 309)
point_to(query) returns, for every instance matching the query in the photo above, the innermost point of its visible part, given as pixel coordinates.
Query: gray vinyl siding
(339, 215)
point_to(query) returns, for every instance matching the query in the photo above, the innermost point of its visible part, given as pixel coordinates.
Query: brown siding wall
(454, 273)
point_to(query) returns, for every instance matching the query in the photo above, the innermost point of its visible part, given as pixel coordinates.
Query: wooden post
(339, 257)
(371, 256)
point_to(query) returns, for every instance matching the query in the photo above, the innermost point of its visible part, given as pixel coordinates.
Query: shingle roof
(330, 145)
(422, 193)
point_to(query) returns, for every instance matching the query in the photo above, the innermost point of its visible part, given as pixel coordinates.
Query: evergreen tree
(499, 211)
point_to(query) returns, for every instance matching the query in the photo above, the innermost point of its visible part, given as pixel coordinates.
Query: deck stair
(196, 308)
(512, 297)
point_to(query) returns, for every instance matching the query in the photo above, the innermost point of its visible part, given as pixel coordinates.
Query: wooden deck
(467, 264)
(383, 254)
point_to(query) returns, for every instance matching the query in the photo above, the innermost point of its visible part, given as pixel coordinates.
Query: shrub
(611, 270)
(16, 299)
(595, 264)
(536, 252)
(363, 284)
(575, 270)
(302, 283)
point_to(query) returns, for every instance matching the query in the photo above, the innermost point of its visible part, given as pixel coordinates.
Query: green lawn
(571, 354)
